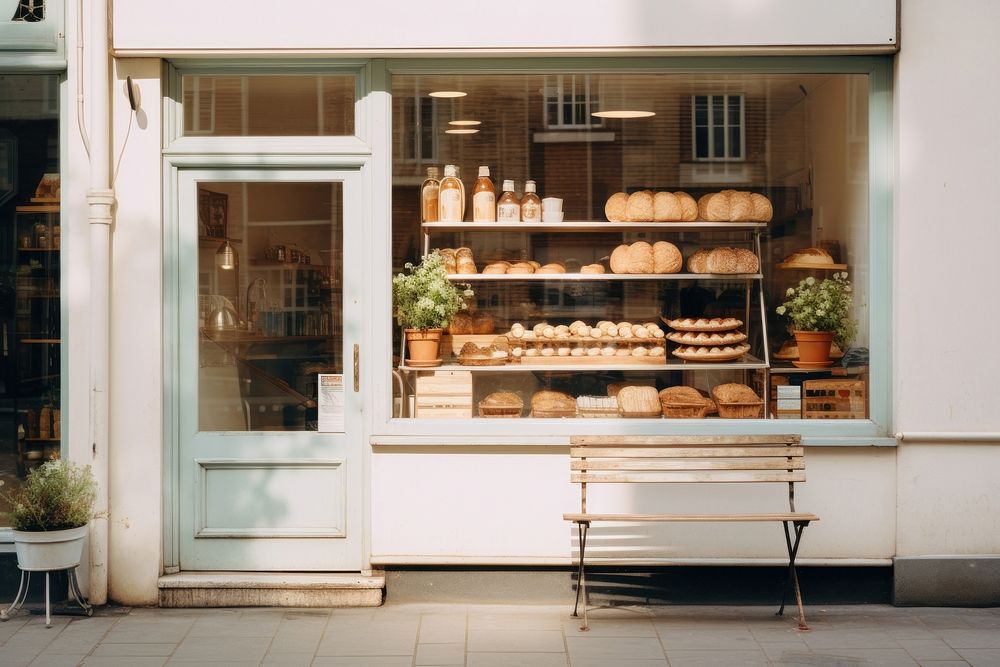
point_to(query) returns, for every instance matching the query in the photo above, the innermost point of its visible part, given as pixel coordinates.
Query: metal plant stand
(22, 593)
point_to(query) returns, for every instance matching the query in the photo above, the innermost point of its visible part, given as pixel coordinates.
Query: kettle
(223, 318)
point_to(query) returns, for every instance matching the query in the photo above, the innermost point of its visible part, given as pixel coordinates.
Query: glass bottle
(531, 205)
(451, 196)
(429, 195)
(484, 198)
(508, 207)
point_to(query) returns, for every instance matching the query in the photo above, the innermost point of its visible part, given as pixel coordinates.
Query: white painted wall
(947, 92)
(564, 25)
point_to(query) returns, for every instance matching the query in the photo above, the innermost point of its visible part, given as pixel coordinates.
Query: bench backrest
(686, 458)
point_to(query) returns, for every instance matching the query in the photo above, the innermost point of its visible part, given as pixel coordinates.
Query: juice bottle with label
(484, 198)
(531, 205)
(508, 207)
(451, 196)
(429, 196)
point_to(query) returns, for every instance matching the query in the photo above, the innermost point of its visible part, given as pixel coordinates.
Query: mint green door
(268, 294)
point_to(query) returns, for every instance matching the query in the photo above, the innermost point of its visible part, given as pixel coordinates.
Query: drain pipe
(100, 198)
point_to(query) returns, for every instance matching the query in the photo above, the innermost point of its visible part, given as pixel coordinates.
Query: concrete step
(271, 589)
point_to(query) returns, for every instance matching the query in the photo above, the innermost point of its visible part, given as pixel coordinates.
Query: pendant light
(615, 102)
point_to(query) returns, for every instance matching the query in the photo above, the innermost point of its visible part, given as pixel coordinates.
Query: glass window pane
(269, 265)
(30, 261)
(812, 170)
(268, 105)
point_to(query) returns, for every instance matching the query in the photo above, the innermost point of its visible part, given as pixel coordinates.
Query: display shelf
(812, 267)
(577, 277)
(786, 368)
(749, 363)
(591, 226)
(41, 341)
(38, 249)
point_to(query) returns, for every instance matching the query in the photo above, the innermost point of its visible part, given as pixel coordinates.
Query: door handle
(357, 368)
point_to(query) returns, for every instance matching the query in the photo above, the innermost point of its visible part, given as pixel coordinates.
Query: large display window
(630, 238)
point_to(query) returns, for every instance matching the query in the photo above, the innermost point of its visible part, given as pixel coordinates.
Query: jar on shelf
(41, 233)
(24, 240)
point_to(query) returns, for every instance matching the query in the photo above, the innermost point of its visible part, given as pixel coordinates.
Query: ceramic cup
(552, 216)
(552, 204)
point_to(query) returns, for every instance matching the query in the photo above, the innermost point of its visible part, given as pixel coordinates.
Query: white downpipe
(976, 437)
(100, 198)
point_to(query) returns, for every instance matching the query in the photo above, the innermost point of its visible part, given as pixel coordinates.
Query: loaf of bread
(614, 209)
(592, 268)
(619, 259)
(482, 323)
(547, 400)
(461, 323)
(746, 261)
(740, 206)
(639, 207)
(496, 267)
(811, 256)
(735, 393)
(667, 207)
(666, 258)
(521, 267)
(614, 388)
(554, 267)
(761, 208)
(721, 260)
(450, 263)
(689, 207)
(639, 258)
(638, 401)
(696, 262)
(681, 394)
(503, 399)
(734, 206)
(466, 266)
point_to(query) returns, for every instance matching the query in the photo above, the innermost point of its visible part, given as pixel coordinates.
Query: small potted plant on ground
(820, 312)
(49, 515)
(424, 301)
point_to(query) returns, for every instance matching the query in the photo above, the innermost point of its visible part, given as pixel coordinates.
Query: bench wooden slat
(684, 452)
(787, 516)
(668, 440)
(796, 463)
(687, 476)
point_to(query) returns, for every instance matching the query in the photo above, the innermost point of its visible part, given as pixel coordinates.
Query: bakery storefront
(632, 227)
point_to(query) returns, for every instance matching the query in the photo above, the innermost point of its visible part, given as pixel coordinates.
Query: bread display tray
(496, 411)
(679, 325)
(709, 358)
(549, 414)
(729, 338)
(824, 267)
(481, 362)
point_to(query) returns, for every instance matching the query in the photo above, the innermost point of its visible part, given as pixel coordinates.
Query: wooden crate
(443, 395)
(835, 399)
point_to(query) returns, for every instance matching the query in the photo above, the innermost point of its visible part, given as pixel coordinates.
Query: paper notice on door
(331, 403)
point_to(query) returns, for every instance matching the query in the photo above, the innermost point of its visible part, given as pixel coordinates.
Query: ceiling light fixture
(447, 93)
(465, 122)
(461, 131)
(623, 114)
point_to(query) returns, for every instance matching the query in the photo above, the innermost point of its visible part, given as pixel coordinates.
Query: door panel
(269, 300)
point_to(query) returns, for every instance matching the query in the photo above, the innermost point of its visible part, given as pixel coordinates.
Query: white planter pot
(49, 549)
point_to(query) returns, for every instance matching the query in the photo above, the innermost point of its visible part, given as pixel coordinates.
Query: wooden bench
(696, 460)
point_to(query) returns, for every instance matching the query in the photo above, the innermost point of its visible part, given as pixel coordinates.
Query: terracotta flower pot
(814, 346)
(424, 346)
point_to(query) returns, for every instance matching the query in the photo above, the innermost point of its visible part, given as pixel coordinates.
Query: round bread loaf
(639, 258)
(536, 265)
(740, 206)
(482, 323)
(667, 207)
(450, 264)
(714, 207)
(666, 258)
(639, 207)
(746, 261)
(689, 207)
(619, 262)
(555, 267)
(721, 260)
(463, 252)
(696, 262)
(547, 400)
(466, 266)
(496, 267)
(816, 256)
(592, 268)
(761, 210)
(614, 208)
(521, 267)
(681, 394)
(461, 323)
(503, 399)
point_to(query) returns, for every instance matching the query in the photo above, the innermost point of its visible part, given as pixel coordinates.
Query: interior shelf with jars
(36, 339)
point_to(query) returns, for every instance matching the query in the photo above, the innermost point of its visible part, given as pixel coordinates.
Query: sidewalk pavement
(487, 635)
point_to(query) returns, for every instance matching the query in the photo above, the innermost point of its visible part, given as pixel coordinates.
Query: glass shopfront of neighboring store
(31, 415)
(656, 223)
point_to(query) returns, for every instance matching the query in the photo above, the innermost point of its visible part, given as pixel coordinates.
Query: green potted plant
(424, 301)
(820, 311)
(49, 515)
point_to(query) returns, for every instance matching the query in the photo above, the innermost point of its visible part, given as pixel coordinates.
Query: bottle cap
(529, 186)
(508, 185)
(449, 170)
(484, 171)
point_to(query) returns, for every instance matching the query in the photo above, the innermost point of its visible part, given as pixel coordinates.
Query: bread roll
(639, 207)
(595, 332)
(761, 208)
(608, 350)
(614, 208)
(578, 351)
(639, 258)
(666, 258)
(521, 267)
(735, 393)
(740, 206)
(594, 350)
(537, 329)
(619, 259)
(667, 207)
(689, 207)
(517, 330)
(640, 351)
(461, 323)
(547, 401)
(746, 261)
(696, 262)
(555, 267)
(721, 260)
(816, 256)
(592, 268)
(450, 263)
(535, 265)
(548, 331)
(482, 323)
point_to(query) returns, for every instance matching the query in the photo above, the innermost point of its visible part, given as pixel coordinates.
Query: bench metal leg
(581, 581)
(793, 577)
